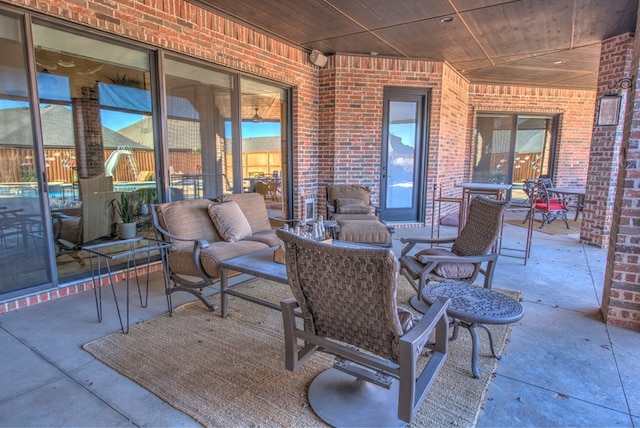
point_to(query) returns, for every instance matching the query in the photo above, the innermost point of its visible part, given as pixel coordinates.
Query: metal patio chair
(347, 296)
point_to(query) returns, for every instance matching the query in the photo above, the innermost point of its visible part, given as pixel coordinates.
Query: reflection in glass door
(264, 143)
(403, 152)
(98, 140)
(24, 249)
(512, 148)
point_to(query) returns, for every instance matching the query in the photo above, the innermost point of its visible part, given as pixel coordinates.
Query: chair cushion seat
(447, 270)
(551, 207)
(181, 258)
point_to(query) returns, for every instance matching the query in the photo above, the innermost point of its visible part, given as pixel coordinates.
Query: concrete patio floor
(562, 366)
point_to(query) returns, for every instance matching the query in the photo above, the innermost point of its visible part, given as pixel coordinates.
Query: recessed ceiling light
(374, 53)
(558, 62)
(446, 19)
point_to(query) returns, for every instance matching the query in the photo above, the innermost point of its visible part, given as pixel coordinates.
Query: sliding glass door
(24, 246)
(510, 148)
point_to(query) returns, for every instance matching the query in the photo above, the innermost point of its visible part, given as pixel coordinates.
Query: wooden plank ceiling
(548, 43)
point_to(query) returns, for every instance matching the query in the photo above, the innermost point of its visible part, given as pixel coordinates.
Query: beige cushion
(254, 209)
(267, 237)
(364, 231)
(351, 206)
(447, 270)
(181, 258)
(406, 319)
(188, 220)
(230, 221)
(335, 191)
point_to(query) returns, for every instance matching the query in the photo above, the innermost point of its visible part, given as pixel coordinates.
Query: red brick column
(606, 141)
(621, 297)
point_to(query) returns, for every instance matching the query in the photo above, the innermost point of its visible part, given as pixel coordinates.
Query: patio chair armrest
(292, 222)
(406, 240)
(418, 336)
(330, 210)
(458, 259)
(411, 242)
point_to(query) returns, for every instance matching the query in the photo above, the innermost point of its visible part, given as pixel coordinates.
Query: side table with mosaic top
(472, 307)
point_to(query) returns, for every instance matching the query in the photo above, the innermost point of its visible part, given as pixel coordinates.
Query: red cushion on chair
(553, 206)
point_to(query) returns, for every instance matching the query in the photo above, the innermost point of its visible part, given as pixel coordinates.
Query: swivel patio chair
(347, 296)
(471, 249)
(350, 206)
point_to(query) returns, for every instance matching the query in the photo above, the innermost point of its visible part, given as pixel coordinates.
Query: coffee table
(472, 307)
(259, 264)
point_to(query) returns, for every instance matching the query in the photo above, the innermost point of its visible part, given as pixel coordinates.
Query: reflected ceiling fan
(256, 117)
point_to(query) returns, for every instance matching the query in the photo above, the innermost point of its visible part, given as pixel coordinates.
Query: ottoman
(364, 232)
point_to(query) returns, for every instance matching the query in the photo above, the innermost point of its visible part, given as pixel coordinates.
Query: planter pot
(127, 230)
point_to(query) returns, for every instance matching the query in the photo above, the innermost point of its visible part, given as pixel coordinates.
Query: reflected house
(60, 152)
(259, 154)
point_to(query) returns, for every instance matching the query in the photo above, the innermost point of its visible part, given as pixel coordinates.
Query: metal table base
(98, 254)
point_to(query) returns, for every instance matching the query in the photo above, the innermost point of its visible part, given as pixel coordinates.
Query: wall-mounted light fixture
(609, 104)
(609, 110)
(624, 83)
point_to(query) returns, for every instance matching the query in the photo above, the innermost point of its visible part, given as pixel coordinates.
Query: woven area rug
(556, 227)
(230, 372)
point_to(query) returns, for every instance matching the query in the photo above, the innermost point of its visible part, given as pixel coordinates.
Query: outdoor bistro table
(125, 250)
(571, 191)
(472, 307)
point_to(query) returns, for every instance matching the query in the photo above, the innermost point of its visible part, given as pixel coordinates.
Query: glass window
(512, 148)
(95, 108)
(264, 144)
(24, 251)
(200, 142)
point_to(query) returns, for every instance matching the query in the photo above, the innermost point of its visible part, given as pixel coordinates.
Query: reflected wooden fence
(18, 165)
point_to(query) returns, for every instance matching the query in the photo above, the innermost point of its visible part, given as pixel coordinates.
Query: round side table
(472, 307)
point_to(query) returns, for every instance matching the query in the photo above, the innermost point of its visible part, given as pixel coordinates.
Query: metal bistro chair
(464, 261)
(347, 296)
(550, 208)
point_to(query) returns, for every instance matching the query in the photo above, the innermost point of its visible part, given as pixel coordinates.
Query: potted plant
(127, 208)
(146, 196)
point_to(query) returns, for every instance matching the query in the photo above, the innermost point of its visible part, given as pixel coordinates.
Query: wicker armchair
(464, 261)
(350, 206)
(347, 296)
(98, 219)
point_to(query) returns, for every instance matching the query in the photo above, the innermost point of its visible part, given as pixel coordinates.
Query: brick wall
(621, 297)
(351, 93)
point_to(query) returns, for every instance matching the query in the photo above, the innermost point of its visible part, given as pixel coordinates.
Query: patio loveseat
(204, 232)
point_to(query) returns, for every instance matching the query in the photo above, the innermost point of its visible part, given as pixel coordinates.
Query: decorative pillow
(406, 319)
(351, 206)
(230, 221)
(447, 270)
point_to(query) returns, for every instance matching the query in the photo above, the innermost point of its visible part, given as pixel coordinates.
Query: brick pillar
(88, 134)
(621, 296)
(606, 141)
